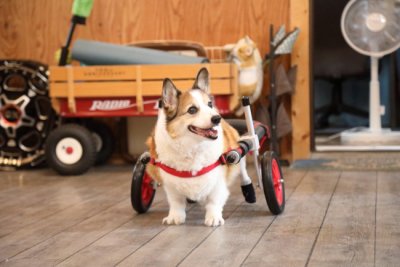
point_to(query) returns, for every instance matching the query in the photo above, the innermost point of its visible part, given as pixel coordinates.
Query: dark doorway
(341, 79)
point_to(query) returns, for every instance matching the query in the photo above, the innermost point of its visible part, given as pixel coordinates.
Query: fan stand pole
(375, 125)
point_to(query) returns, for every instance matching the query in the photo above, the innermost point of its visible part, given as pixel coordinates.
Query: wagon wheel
(273, 184)
(70, 149)
(104, 139)
(142, 187)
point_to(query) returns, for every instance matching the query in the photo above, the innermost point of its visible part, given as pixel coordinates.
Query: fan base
(366, 136)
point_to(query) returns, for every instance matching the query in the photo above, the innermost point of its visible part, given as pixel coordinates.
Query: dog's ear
(202, 81)
(170, 98)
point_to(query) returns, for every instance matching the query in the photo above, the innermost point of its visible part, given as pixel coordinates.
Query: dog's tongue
(208, 133)
(211, 133)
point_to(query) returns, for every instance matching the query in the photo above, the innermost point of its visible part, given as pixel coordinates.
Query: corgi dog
(189, 137)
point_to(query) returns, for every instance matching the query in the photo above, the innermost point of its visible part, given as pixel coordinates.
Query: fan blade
(292, 75)
(287, 43)
(284, 125)
(279, 35)
(262, 114)
(372, 27)
(283, 84)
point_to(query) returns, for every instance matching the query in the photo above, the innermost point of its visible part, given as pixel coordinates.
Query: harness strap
(189, 174)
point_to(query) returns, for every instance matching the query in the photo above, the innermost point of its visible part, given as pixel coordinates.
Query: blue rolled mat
(100, 53)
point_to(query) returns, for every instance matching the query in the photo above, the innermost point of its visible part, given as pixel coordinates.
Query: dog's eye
(192, 110)
(210, 104)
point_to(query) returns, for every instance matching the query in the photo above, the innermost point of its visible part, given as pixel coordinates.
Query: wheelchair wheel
(273, 185)
(142, 189)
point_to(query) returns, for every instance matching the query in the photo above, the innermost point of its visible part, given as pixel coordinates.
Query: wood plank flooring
(332, 218)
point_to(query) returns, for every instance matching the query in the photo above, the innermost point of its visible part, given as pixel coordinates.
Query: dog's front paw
(214, 220)
(175, 218)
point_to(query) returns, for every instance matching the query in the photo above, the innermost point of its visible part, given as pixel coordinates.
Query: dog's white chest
(195, 188)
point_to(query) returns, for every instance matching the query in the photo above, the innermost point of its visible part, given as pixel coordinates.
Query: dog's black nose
(216, 119)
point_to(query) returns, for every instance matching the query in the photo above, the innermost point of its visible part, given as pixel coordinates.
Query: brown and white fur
(190, 135)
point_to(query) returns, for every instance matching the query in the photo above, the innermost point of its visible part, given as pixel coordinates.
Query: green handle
(82, 8)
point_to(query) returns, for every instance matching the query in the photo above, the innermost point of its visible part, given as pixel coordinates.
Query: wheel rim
(276, 179)
(147, 189)
(69, 150)
(26, 113)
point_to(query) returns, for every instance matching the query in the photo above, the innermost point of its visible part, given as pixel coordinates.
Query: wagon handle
(80, 11)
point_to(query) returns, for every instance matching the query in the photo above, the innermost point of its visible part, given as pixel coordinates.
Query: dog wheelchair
(253, 136)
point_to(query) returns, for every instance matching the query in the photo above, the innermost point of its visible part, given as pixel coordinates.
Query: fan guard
(372, 27)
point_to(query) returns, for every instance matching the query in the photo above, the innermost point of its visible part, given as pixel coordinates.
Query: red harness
(189, 174)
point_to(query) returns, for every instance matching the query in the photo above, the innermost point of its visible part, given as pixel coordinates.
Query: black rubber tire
(85, 139)
(27, 116)
(138, 178)
(106, 135)
(267, 174)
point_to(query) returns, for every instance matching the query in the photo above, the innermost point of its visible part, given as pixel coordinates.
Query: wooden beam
(300, 17)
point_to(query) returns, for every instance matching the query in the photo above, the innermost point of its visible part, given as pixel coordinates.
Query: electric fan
(372, 28)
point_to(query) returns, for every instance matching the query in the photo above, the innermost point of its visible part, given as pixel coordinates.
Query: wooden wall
(301, 100)
(35, 29)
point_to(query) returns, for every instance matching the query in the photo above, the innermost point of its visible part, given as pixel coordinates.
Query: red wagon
(88, 92)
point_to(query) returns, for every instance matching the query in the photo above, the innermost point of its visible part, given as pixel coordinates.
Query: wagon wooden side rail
(133, 90)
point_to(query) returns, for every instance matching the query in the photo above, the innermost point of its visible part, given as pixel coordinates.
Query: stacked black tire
(28, 132)
(26, 113)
